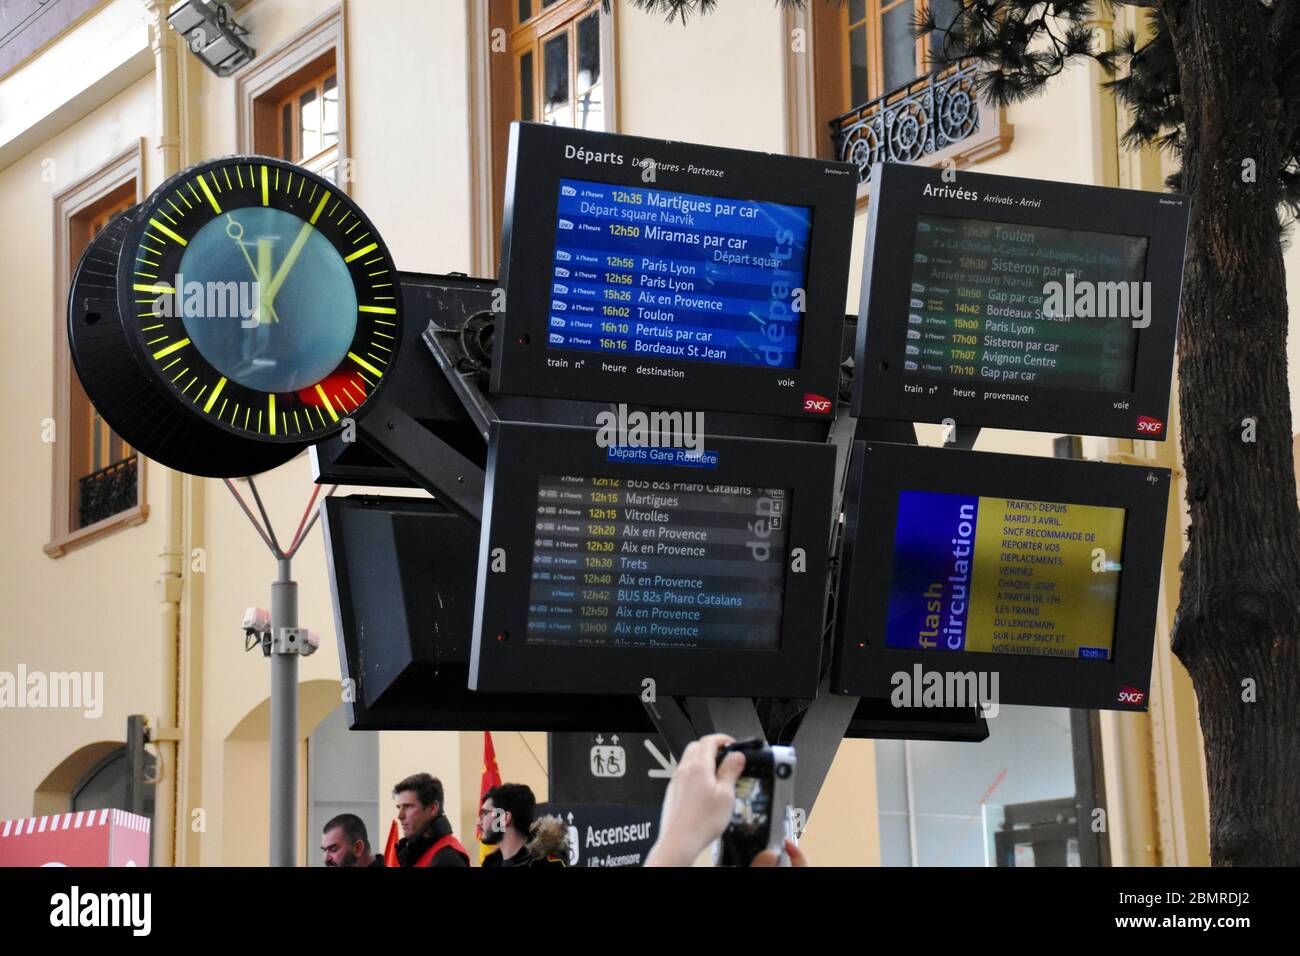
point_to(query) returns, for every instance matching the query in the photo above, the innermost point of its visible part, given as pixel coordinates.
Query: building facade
(116, 566)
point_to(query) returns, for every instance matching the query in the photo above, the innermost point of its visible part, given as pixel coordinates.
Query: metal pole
(284, 719)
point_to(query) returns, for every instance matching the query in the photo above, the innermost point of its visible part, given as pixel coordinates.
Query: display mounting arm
(437, 467)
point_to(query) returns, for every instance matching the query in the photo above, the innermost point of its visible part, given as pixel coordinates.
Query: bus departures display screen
(1018, 303)
(650, 271)
(700, 577)
(1043, 571)
(600, 567)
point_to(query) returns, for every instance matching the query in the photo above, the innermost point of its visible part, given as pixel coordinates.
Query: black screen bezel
(519, 452)
(881, 470)
(898, 200)
(536, 165)
(422, 677)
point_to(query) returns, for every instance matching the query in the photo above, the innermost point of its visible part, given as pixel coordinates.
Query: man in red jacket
(426, 831)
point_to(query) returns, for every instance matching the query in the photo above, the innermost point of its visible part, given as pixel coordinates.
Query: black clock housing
(159, 390)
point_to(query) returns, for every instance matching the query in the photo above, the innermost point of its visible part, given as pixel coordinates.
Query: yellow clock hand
(303, 234)
(235, 230)
(264, 250)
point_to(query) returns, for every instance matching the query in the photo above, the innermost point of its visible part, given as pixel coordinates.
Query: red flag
(390, 848)
(491, 778)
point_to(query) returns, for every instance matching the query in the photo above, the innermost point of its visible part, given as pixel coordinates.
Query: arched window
(105, 786)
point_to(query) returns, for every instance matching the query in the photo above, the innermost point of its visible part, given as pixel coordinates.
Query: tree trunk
(1239, 614)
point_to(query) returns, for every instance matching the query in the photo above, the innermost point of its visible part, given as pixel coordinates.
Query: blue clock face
(270, 305)
(262, 299)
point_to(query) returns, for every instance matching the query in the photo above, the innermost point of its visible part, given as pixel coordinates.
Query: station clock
(245, 310)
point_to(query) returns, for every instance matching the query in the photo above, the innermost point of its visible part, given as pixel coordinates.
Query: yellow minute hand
(289, 260)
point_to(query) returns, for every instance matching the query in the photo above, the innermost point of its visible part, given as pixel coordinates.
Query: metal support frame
(437, 467)
(825, 720)
(284, 721)
(136, 759)
(449, 476)
(283, 646)
(816, 741)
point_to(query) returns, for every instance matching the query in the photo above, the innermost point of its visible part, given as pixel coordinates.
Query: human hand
(699, 802)
(770, 858)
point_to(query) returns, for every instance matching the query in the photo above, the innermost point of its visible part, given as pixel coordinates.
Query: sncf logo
(1131, 695)
(1152, 426)
(816, 404)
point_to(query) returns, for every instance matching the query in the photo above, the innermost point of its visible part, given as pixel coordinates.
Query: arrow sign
(666, 764)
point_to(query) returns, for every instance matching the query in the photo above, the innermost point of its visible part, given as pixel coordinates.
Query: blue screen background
(652, 273)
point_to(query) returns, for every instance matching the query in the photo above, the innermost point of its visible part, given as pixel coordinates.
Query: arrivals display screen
(651, 272)
(627, 563)
(1018, 303)
(602, 567)
(1044, 571)
(671, 274)
(979, 312)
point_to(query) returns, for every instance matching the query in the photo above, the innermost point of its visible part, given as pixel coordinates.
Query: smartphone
(761, 817)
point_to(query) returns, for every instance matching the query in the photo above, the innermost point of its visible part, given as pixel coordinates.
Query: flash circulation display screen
(672, 274)
(634, 563)
(1005, 576)
(1042, 571)
(655, 272)
(984, 307)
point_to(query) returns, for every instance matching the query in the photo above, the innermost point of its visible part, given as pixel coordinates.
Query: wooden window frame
(491, 71)
(875, 9)
(263, 84)
(121, 173)
(316, 84)
(533, 34)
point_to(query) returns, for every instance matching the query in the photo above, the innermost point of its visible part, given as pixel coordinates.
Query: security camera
(256, 621)
(210, 31)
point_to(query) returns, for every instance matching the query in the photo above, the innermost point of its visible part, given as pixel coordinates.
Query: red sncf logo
(1131, 695)
(816, 404)
(1152, 426)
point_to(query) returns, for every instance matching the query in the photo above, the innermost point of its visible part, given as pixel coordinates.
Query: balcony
(108, 491)
(938, 116)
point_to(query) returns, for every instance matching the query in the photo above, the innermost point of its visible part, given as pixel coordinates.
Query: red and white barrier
(85, 838)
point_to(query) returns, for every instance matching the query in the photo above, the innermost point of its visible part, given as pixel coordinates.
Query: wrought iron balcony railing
(929, 114)
(108, 491)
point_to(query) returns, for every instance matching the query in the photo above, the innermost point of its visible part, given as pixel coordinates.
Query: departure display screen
(622, 562)
(652, 273)
(995, 302)
(1005, 576)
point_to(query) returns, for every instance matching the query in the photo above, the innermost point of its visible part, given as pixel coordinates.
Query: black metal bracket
(463, 371)
(904, 433)
(437, 467)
